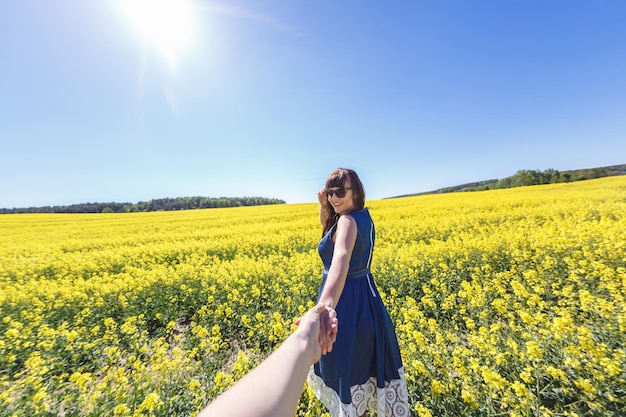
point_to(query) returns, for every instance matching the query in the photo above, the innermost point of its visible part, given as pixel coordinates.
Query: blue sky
(265, 98)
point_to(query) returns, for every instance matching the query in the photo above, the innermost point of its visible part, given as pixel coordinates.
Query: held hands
(319, 327)
(328, 329)
(289, 365)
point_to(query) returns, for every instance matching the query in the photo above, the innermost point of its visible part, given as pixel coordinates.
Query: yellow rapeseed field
(506, 302)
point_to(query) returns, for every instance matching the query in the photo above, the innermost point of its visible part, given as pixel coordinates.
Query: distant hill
(531, 177)
(162, 204)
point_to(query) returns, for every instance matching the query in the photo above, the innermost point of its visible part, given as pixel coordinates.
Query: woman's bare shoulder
(346, 220)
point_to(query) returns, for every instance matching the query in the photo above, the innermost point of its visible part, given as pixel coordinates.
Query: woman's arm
(345, 237)
(273, 388)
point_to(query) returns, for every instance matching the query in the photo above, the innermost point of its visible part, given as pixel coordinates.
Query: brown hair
(339, 178)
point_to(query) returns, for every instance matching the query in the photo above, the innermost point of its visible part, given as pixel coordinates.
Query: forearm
(324, 214)
(335, 281)
(272, 389)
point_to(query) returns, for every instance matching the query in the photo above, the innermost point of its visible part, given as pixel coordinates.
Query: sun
(165, 25)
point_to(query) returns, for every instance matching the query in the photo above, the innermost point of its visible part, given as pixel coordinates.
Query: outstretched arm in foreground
(273, 388)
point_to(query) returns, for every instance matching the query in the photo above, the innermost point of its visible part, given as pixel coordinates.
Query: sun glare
(166, 25)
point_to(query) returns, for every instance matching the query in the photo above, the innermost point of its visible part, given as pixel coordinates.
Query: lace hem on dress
(390, 401)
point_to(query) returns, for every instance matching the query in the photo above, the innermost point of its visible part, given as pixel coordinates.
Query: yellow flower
(193, 385)
(586, 385)
(556, 373)
(12, 333)
(610, 367)
(40, 396)
(468, 398)
(150, 402)
(121, 410)
(527, 375)
(422, 411)
(469, 323)
(436, 387)
(493, 379)
(520, 389)
(533, 350)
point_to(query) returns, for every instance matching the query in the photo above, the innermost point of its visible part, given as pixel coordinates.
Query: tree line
(161, 204)
(533, 177)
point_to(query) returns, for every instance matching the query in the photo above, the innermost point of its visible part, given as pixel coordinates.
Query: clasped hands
(318, 326)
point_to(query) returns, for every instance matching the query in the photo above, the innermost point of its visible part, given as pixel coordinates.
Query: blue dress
(364, 370)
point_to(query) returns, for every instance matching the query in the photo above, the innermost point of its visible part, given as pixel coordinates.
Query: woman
(364, 369)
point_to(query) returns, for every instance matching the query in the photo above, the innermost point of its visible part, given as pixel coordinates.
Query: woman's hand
(321, 196)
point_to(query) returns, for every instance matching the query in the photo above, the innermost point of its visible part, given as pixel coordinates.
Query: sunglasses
(339, 192)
